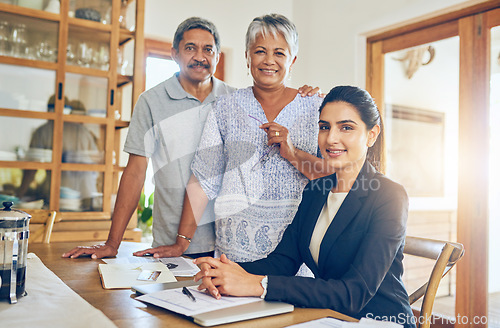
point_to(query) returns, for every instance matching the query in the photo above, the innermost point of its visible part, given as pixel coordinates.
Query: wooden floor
(446, 307)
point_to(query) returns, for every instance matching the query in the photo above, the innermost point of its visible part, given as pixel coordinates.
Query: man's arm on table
(195, 202)
(127, 199)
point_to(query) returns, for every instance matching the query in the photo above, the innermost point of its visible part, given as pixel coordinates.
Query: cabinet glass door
(87, 95)
(81, 191)
(28, 38)
(92, 10)
(27, 188)
(83, 143)
(90, 50)
(26, 88)
(26, 139)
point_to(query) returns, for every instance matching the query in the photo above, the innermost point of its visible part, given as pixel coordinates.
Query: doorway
(432, 81)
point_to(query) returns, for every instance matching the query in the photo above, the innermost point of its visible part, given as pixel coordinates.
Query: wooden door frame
(472, 25)
(163, 49)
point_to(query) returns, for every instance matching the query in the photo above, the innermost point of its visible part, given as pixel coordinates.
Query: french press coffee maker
(14, 231)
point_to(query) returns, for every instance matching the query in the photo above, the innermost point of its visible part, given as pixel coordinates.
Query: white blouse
(326, 216)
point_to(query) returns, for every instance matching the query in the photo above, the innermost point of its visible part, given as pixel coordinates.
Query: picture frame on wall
(416, 149)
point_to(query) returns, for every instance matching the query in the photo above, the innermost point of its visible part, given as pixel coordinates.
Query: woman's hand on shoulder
(224, 277)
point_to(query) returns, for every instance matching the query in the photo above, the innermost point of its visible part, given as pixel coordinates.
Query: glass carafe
(14, 231)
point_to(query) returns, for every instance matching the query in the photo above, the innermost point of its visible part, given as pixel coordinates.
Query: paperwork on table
(175, 300)
(179, 266)
(126, 275)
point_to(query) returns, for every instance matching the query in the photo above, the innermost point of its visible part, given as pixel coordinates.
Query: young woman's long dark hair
(367, 110)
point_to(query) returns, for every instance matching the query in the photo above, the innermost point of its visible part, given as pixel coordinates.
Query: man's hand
(174, 250)
(96, 251)
(308, 91)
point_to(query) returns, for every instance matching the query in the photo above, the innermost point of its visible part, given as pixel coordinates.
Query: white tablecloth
(50, 303)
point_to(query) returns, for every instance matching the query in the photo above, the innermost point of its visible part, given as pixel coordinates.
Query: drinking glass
(101, 58)
(84, 54)
(45, 51)
(18, 40)
(70, 54)
(4, 38)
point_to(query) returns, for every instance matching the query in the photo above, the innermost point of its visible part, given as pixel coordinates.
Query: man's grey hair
(192, 23)
(274, 24)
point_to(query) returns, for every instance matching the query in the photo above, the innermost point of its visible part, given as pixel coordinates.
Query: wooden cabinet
(69, 77)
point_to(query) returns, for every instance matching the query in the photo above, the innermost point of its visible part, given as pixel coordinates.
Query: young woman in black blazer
(349, 229)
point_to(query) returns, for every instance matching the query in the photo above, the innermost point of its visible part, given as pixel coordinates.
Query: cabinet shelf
(83, 167)
(28, 62)
(28, 12)
(86, 71)
(27, 114)
(121, 124)
(85, 119)
(86, 25)
(118, 168)
(25, 165)
(124, 79)
(126, 36)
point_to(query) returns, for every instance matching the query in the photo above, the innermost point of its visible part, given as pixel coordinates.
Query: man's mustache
(199, 63)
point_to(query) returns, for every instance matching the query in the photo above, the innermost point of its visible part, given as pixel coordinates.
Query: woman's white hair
(274, 24)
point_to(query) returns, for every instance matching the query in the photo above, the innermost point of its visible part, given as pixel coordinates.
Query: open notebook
(207, 311)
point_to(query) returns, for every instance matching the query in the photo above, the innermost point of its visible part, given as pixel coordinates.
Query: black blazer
(360, 260)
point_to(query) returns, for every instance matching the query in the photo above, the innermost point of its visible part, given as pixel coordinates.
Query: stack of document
(175, 300)
(179, 266)
(208, 311)
(125, 275)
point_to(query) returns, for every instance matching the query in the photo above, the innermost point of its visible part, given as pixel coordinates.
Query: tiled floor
(446, 306)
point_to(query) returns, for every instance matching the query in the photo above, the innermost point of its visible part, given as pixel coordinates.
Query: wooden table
(120, 306)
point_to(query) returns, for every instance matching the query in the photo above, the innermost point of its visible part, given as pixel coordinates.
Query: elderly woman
(257, 190)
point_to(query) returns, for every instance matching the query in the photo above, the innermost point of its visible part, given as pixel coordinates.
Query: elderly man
(166, 127)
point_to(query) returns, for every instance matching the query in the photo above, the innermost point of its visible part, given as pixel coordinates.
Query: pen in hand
(186, 292)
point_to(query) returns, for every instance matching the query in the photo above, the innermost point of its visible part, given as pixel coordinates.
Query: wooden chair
(46, 219)
(446, 255)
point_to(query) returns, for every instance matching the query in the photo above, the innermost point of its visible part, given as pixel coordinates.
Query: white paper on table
(175, 300)
(125, 275)
(320, 323)
(336, 323)
(185, 267)
(378, 323)
(131, 259)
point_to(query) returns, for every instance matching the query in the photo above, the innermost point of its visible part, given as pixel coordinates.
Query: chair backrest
(446, 255)
(46, 218)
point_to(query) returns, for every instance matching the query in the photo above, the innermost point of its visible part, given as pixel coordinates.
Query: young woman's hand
(224, 277)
